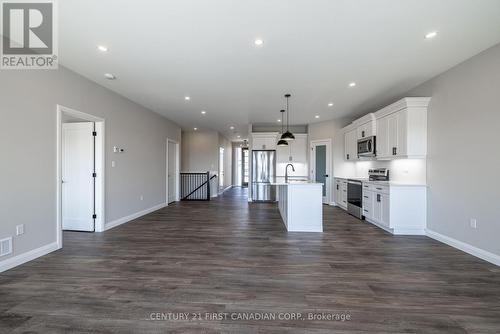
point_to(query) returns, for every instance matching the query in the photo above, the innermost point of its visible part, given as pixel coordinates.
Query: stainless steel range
(379, 174)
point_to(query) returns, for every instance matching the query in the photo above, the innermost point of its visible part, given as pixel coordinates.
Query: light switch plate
(20, 229)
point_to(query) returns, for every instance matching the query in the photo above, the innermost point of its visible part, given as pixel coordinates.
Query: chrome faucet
(286, 171)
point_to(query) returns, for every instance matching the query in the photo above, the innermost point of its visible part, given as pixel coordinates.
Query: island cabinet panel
(301, 206)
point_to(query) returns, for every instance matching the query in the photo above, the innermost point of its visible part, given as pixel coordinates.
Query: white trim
(177, 172)
(133, 216)
(28, 256)
(312, 162)
(472, 250)
(227, 188)
(100, 198)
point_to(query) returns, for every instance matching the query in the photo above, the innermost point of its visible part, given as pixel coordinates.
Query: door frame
(99, 163)
(176, 172)
(312, 160)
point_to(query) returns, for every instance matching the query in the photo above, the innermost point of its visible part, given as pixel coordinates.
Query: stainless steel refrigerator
(263, 173)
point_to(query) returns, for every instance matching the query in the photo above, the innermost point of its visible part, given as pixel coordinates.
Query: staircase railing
(196, 186)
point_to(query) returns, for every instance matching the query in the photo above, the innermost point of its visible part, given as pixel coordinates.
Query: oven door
(354, 198)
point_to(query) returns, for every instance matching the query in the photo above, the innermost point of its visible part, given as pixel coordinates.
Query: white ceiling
(161, 51)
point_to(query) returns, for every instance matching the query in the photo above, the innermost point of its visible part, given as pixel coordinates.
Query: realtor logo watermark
(29, 34)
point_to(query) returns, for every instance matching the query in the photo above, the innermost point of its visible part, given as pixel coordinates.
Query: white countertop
(280, 181)
(395, 183)
(384, 183)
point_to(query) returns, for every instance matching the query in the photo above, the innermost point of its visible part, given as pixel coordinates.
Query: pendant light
(288, 136)
(282, 142)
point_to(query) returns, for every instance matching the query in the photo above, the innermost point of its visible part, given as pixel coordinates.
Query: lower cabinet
(340, 193)
(397, 209)
(376, 207)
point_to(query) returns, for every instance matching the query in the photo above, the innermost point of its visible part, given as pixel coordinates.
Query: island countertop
(280, 181)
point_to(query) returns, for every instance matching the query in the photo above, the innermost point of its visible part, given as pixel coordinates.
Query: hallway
(228, 255)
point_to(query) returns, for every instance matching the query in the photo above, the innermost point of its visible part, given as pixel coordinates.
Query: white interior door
(320, 163)
(172, 161)
(77, 179)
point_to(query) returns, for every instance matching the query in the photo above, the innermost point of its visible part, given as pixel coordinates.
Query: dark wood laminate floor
(230, 256)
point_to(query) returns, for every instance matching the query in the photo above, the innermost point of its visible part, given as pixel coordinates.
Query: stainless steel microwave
(366, 147)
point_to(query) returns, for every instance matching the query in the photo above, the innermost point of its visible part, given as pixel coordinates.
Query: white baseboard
(472, 250)
(28, 256)
(133, 216)
(223, 190)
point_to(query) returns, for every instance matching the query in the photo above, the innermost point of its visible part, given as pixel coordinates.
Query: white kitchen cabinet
(295, 153)
(340, 193)
(264, 141)
(366, 130)
(344, 195)
(298, 149)
(351, 145)
(381, 205)
(402, 129)
(398, 209)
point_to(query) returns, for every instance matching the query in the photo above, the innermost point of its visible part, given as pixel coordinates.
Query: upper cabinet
(296, 151)
(366, 126)
(351, 145)
(400, 130)
(402, 133)
(264, 140)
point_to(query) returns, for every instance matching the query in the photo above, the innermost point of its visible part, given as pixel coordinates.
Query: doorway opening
(80, 172)
(173, 172)
(221, 169)
(321, 165)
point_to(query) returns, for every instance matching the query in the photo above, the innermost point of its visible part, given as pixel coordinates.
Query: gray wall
(200, 151)
(28, 150)
(463, 158)
(329, 130)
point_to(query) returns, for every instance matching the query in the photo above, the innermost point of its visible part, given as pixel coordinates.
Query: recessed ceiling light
(239, 136)
(109, 76)
(279, 120)
(195, 129)
(317, 116)
(430, 35)
(187, 98)
(258, 42)
(102, 48)
(352, 84)
(330, 104)
(203, 112)
(231, 127)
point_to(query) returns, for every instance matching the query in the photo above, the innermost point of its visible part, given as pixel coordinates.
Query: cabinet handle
(365, 211)
(394, 151)
(362, 134)
(348, 157)
(365, 196)
(378, 197)
(379, 188)
(337, 187)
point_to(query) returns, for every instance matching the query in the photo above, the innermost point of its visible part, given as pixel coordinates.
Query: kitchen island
(301, 205)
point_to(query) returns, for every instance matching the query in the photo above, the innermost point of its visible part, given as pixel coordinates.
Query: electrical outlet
(113, 164)
(20, 229)
(6, 246)
(473, 223)
(142, 197)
